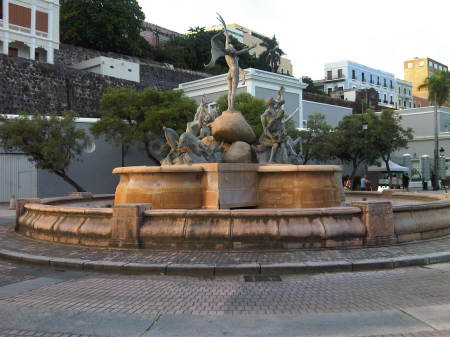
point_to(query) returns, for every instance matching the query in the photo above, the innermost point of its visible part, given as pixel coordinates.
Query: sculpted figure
(274, 136)
(232, 59)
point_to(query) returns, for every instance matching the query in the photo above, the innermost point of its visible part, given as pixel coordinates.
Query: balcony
(20, 28)
(335, 78)
(41, 34)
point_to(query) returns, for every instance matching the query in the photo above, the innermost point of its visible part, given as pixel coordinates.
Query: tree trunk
(352, 175)
(69, 180)
(150, 154)
(388, 169)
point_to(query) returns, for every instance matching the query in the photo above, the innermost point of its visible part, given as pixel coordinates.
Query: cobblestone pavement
(11, 241)
(143, 296)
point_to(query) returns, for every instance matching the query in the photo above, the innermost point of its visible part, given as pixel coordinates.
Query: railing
(19, 28)
(41, 34)
(334, 78)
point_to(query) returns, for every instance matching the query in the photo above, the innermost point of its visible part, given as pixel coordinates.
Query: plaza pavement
(52, 300)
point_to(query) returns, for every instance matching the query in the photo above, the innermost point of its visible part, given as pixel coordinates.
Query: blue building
(348, 75)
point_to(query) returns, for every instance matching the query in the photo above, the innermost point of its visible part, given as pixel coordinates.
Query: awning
(393, 166)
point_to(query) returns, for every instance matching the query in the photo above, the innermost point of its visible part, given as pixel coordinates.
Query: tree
(352, 144)
(50, 142)
(193, 51)
(315, 140)
(311, 88)
(106, 25)
(438, 93)
(271, 57)
(388, 136)
(250, 107)
(129, 117)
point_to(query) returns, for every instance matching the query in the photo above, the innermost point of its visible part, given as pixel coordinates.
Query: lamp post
(436, 147)
(365, 127)
(442, 166)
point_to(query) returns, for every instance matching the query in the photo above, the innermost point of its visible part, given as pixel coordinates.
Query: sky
(380, 34)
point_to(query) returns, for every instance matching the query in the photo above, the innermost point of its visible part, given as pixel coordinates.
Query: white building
(403, 96)
(111, 67)
(351, 75)
(29, 28)
(263, 84)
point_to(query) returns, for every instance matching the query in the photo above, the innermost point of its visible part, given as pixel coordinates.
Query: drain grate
(262, 278)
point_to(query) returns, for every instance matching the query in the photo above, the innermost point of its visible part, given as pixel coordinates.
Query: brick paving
(322, 293)
(34, 333)
(11, 241)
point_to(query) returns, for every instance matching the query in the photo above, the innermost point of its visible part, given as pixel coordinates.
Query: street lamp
(365, 127)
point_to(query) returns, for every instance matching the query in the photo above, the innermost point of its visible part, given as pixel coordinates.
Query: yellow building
(417, 70)
(249, 37)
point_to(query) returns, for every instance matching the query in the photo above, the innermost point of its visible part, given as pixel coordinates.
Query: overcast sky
(380, 34)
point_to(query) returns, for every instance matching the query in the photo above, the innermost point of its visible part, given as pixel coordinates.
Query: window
(329, 91)
(353, 74)
(13, 51)
(384, 98)
(404, 104)
(363, 77)
(19, 15)
(384, 83)
(404, 91)
(329, 75)
(42, 21)
(410, 65)
(371, 78)
(430, 63)
(340, 73)
(409, 104)
(390, 84)
(391, 101)
(421, 63)
(1, 9)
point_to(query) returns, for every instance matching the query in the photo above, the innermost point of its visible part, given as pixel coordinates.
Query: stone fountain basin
(374, 221)
(227, 186)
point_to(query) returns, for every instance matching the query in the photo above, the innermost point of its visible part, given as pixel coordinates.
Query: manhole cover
(262, 278)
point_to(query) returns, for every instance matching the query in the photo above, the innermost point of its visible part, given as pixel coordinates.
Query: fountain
(208, 194)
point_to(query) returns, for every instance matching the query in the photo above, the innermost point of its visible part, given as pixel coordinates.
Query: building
(264, 84)
(108, 66)
(417, 70)
(29, 28)
(403, 95)
(20, 178)
(351, 75)
(156, 35)
(421, 120)
(249, 38)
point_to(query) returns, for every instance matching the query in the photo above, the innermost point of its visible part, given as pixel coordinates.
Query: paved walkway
(400, 302)
(17, 247)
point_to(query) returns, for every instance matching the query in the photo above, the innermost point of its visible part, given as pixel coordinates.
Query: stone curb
(313, 267)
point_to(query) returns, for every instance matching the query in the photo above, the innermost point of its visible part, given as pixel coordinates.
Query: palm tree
(438, 93)
(272, 55)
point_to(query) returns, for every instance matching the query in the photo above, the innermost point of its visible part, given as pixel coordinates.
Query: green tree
(271, 57)
(438, 87)
(129, 117)
(106, 25)
(193, 51)
(50, 142)
(315, 142)
(352, 144)
(250, 107)
(388, 135)
(311, 88)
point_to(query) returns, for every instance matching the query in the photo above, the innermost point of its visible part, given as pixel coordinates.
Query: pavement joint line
(218, 269)
(417, 319)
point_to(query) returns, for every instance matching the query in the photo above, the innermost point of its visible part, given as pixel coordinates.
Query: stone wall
(152, 74)
(36, 87)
